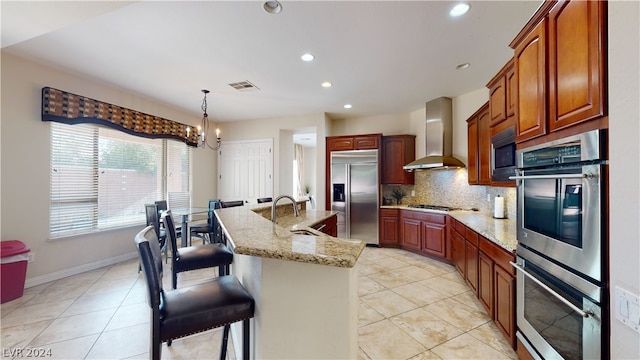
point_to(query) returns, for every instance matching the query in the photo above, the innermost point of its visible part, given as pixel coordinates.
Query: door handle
(582, 313)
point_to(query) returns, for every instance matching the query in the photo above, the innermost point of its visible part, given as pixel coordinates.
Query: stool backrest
(228, 204)
(151, 211)
(151, 261)
(170, 228)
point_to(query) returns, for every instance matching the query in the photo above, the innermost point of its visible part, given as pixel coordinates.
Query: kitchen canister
(498, 208)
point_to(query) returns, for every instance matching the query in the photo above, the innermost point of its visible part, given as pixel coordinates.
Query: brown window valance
(64, 107)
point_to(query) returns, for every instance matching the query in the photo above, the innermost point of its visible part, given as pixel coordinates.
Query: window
(101, 178)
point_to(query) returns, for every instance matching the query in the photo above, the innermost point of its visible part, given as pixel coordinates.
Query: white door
(245, 170)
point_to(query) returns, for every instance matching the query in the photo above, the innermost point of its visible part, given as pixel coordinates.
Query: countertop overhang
(250, 233)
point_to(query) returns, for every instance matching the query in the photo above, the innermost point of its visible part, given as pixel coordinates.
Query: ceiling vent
(244, 86)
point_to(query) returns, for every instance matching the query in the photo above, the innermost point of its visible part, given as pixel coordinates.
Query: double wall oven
(561, 230)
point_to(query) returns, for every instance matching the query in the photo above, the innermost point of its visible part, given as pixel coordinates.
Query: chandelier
(203, 129)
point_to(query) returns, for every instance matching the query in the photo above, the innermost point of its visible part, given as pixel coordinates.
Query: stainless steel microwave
(503, 155)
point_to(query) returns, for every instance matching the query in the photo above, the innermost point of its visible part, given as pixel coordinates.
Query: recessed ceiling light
(272, 7)
(459, 10)
(326, 84)
(347, 106)
(307, 57)
(463, 66)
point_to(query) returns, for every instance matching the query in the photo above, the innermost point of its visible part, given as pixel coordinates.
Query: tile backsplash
(450, 187)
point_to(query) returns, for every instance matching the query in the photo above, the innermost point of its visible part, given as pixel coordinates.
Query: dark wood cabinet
(472, 149)
(471, 259)
(411, 235)
(497, 291)
(498, 98)
(434, 239)
(338, 143)
(329, 226)
(485, 282)
(479, 147)
(397, 151)
(560, 69)
(512, 91)
(353, 142)
(424, 233)
(505, 303)
(344, 143)
(485, 267)
(577, 52)
(502, 95)
(389, 228)
(530, 59)
(457, 247)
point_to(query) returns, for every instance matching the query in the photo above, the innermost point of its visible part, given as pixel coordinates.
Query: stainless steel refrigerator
(355, 194)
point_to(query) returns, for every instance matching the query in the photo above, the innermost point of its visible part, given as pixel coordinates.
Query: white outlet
(413, 193)
(32, 257)
(488, 197)
(627, 308)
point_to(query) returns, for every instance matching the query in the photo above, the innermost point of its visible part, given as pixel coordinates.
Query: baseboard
(39, 280)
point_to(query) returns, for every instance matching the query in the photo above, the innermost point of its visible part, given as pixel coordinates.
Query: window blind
(101, 178)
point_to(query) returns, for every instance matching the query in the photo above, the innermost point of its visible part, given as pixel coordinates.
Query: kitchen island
(303, 281)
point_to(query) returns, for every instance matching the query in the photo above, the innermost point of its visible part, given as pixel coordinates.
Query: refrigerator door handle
(347, 208)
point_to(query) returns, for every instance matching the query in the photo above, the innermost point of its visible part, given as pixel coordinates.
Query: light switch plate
(627, 308)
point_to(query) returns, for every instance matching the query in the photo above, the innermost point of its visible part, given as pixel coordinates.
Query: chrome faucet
(296, 212)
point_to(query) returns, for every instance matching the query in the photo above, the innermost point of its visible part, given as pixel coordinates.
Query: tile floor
(411, 307)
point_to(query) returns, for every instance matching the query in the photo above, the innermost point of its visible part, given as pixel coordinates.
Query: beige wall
(624, 152)
(463, 107)
(390, 124)
(282, 130)
(25, 170)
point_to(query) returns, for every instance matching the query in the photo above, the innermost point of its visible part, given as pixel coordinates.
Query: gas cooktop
(433, 207)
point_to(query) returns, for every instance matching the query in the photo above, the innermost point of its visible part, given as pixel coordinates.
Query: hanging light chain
(205, 123)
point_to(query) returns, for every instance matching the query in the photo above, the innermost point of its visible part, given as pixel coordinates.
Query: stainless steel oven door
(559, 215)
(556, 319)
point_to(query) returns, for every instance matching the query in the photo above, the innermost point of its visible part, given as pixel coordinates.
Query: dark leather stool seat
(189, 310)
(218, 302)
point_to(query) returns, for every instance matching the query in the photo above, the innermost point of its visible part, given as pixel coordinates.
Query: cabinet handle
(582, 313)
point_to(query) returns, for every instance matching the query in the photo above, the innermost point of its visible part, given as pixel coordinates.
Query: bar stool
(178, 313)
(195, 257)
(204, 231)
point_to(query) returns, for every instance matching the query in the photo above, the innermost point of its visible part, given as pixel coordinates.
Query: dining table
(189, 215)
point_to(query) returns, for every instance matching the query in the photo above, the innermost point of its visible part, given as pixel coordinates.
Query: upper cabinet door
(530, 58)
(498, 100)
(472, 149)
(397, 151)
(512, 90)
(576, 62)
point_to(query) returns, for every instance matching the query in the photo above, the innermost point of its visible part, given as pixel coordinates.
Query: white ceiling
(383, 57)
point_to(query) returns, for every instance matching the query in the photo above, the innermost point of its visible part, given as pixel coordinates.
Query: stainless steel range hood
(439, 135)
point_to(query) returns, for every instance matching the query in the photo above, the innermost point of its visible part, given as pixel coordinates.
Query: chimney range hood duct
(439, 135)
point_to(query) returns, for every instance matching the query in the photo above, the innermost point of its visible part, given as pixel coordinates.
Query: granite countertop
(500, 231)
(250, 232)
